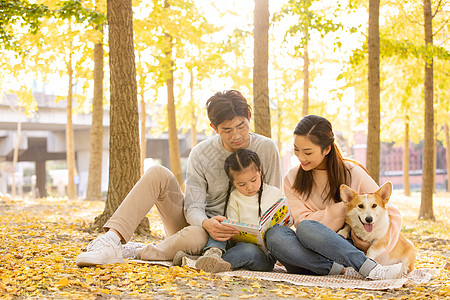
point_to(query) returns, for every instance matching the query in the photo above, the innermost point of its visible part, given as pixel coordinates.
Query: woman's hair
(224, 106)
(237, 162)
(320, 132)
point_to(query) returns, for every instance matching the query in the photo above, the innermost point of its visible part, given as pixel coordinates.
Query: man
(187, 219)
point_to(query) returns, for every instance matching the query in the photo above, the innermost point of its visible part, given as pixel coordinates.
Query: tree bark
(16, 152)
(305, 107)
(143, 132)
(426, 204)
(174, 146)
(94, 188)
(193, 116)
(406, 158)
(70, 151)
(373, 135)
(261, 68)
(124, 158)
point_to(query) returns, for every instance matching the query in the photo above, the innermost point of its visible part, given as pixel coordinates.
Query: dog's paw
(343, 233)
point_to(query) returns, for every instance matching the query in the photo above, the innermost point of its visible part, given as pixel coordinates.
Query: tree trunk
(143, 132)
(16, 152)
(260, 68)
(193, 116)
(94, 188)
(305, 108)
(70, 151)
(124, 157)
(447, 153)
(373, 135)
(426, 204)
(174, 146)
(406, 158)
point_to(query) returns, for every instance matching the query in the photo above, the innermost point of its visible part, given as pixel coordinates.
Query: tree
(174, 146)
(169, 45)
(70, 151)
(426, 204)
(309, 22)
(19, 12)
(94, 191)
(261, 68)
(124, 129)
(373, 132)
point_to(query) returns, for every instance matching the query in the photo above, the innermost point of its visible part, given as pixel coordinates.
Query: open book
(277, 215)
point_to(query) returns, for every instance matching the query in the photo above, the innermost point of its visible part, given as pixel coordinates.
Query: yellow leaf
(104, 278)
(63, 282)
(6, 279)
(89, 280)
(248, 296)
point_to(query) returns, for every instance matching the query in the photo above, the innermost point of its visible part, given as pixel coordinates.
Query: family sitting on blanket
(191, 219)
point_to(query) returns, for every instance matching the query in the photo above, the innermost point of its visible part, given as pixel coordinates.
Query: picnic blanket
(415, 277)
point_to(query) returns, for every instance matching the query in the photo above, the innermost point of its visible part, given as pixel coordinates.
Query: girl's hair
(320, 132)
(238, 161)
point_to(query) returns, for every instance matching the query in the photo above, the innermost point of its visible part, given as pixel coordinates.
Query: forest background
(379, 65)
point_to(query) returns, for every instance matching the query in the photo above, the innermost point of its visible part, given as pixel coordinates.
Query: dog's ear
(347, 193)
(385, 191)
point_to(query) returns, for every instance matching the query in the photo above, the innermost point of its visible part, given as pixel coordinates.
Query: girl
(247, 198)
(312, 191)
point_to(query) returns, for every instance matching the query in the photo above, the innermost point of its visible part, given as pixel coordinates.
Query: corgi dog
(368, 217)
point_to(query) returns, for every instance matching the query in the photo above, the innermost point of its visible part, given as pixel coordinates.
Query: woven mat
(336, 281)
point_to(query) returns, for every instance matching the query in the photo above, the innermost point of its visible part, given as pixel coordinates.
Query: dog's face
(364, 210)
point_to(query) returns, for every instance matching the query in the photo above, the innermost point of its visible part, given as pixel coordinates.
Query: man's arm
(195, 196)
(195, 202)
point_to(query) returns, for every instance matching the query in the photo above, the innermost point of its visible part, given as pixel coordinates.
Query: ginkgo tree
(402, 78)
(167, 40)
(310, 20)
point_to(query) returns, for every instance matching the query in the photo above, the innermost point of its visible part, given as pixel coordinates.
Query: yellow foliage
(41, 240)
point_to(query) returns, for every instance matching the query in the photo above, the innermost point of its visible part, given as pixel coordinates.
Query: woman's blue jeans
(244, 255)
(315, 249)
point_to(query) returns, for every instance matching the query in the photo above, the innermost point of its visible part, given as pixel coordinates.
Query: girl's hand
(359, 243)
(217, 230)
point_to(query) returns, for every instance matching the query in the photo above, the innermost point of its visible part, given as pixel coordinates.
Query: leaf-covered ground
(40, 239)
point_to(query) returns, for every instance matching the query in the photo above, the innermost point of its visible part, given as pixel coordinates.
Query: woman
(312, 190)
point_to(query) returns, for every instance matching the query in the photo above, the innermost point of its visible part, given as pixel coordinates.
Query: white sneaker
(103, 250)
(386, 272)
(189, 262)
(129, 250)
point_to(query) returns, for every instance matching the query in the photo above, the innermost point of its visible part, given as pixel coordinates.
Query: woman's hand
(359, 243)
(217, 230)
(339, 209)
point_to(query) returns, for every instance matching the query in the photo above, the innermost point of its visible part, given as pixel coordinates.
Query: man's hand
(359, 243)
(218, 231)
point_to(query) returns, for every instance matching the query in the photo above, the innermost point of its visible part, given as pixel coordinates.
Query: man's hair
(226, 105)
